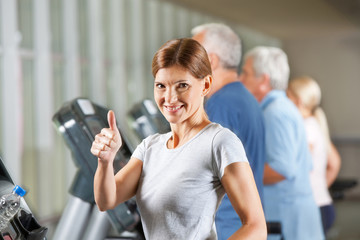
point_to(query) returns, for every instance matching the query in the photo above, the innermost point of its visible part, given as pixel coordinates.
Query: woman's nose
(171, 96)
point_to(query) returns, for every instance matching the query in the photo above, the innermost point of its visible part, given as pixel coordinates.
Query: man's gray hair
(222, 41)
(273, 62)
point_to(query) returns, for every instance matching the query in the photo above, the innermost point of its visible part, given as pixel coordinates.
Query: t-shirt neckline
(168, 135)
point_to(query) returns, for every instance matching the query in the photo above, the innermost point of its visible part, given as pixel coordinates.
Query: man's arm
(271, 176)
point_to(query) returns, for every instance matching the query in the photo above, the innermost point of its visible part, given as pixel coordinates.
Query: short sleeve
(146, 144)
(281, 143)
(139, 152)
(227, 149)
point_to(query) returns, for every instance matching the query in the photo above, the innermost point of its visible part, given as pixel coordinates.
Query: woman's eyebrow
(181, 81)
(178, 81)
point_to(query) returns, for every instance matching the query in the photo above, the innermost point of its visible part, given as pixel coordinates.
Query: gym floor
(347, 222)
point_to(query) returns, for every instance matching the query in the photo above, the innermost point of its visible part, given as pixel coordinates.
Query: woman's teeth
(173, 108)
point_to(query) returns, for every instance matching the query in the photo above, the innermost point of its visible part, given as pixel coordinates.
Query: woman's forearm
(104, 186)
(256, 231)
(333, 165)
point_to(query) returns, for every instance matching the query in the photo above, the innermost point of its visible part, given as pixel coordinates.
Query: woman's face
(178, 94)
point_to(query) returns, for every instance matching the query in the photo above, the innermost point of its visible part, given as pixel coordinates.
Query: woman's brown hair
(186, 53)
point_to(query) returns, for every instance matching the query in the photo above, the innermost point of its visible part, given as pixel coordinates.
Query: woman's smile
(173, 109)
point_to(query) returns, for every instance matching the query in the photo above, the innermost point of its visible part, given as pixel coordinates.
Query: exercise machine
(23, 226)
(78, 121)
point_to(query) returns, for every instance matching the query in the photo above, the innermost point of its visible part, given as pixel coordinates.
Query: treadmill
(78, 121)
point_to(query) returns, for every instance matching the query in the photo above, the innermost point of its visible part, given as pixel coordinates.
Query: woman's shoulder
(311, 121)
(227, 146)
(214, 128)
(312, 126)
(221, 133)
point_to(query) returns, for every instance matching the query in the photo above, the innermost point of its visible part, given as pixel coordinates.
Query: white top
(179, 189)
(318, 151)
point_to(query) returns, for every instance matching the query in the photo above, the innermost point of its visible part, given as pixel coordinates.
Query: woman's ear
(207, 85)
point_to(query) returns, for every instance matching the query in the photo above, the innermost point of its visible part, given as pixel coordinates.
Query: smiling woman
(183, 78)
(179, 178)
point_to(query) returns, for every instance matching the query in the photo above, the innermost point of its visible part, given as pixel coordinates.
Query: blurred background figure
(288, 196)
(232, 105)
(306, 94)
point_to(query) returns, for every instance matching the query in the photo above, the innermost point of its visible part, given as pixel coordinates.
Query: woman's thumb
(112, 120)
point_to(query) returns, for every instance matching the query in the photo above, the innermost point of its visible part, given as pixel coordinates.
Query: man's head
(220, 42)
(265, 69)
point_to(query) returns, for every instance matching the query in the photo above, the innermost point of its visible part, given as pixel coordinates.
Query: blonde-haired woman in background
(306, 94)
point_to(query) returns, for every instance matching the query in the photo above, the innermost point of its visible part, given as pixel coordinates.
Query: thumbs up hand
(108, 142)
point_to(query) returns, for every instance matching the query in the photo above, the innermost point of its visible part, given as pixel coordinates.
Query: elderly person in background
(230, 104)
(288, 195)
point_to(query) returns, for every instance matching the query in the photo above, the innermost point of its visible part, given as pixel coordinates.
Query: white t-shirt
(179, 189)
(318, 151)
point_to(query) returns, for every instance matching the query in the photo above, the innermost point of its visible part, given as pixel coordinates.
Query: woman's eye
(183, 85)
(159, 86)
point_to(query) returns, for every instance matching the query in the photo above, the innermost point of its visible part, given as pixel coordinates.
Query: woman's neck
(183, 132)
(305, 112)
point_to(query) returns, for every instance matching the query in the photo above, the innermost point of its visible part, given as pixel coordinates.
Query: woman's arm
(240, 187)
(333, 165)
(110, 190)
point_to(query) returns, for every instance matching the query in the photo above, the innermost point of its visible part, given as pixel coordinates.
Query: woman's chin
(172, 120)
